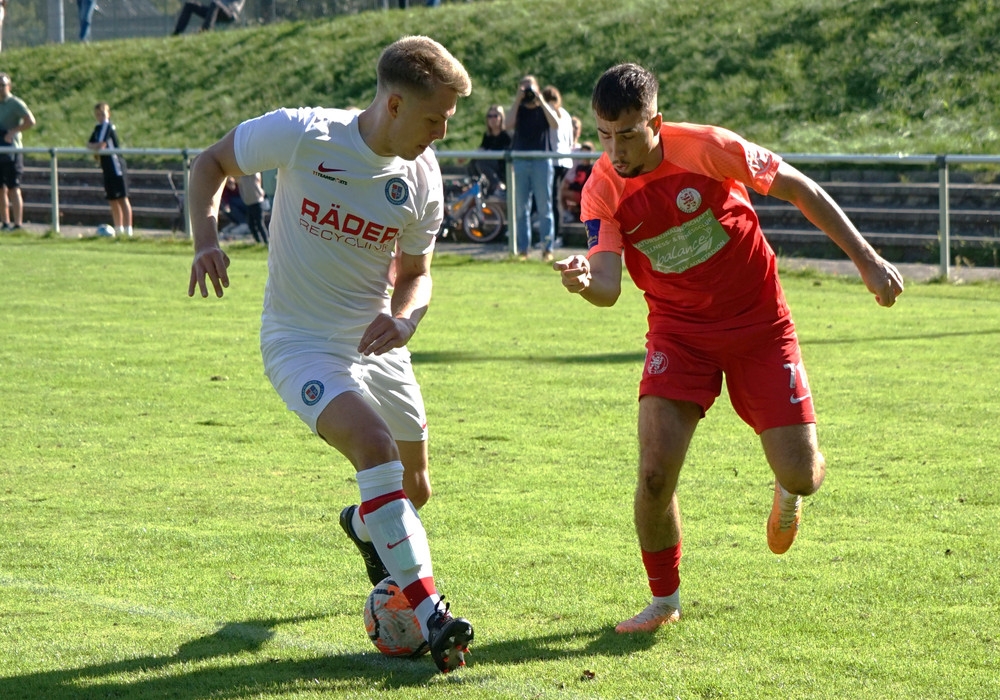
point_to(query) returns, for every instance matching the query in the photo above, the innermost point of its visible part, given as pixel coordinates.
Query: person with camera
(531, 119)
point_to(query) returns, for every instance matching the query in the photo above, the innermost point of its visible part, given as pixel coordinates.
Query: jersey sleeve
(720, 154)
(598, 203)
(269, 141)
(419, 239)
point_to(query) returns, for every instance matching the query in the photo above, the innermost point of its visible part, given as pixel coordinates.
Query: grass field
(815, 76)
(169, 530)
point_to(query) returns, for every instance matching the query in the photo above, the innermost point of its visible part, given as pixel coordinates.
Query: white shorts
(308, 375)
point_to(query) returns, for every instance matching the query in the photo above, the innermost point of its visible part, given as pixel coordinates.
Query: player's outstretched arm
(880, 276)
(208, 174)
(598, 280)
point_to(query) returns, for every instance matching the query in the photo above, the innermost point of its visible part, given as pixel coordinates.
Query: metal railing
(941, 162)
(37, 22)
(185, 155)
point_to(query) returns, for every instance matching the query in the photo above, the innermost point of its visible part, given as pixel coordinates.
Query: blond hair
(502, 112)
(422, 64)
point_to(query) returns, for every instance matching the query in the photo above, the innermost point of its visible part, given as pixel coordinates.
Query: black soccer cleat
(373, 563)
(449, 638)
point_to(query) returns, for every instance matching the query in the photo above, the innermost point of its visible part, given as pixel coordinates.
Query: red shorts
(762, 365)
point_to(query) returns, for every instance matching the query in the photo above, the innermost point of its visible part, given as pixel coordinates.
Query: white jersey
(339, 213)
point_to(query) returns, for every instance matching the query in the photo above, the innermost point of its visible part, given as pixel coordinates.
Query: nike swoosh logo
(799, 399)
(323, 169)
(396, 544)
(629, 233)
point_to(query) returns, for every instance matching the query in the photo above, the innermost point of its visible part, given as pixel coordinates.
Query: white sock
(788, 500)
(673, 600)
(399, 537)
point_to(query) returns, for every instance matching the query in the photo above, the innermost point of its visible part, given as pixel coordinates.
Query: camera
(529, 94)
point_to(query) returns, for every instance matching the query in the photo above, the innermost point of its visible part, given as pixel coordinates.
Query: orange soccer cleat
(783, 523)
(650, 619)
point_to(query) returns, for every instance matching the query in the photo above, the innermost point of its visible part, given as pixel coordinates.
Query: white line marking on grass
(205, 627)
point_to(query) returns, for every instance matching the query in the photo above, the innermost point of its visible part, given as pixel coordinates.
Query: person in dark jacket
(215, 11)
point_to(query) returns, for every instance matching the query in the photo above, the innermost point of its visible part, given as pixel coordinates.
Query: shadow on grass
(589, 359)
(897, 338)
(190, 674)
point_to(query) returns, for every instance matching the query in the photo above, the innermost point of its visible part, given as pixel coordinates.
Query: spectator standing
(15, 118)
(561, 140)
(531, 119)
(85, 11)
(495, 138)
(215, 11)
(252, 194)
(359, 196)
(103, 137)
(673, 199)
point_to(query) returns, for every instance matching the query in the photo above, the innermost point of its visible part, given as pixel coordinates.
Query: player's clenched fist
(575, 272)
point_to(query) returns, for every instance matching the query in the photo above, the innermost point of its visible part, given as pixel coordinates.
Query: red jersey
(691, 238)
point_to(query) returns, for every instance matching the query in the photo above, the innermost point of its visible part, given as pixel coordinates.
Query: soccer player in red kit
(672, 201)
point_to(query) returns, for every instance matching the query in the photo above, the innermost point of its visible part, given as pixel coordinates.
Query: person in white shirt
(561, 138)
(356, 211)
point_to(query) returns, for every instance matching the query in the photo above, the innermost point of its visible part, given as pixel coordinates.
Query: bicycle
(481, 218)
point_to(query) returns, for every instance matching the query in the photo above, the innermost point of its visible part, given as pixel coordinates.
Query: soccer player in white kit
(358, 205)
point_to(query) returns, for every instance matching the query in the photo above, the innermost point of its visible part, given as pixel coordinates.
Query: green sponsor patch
(682, 247)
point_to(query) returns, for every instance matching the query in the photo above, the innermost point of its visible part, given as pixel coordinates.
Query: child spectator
(103, 137)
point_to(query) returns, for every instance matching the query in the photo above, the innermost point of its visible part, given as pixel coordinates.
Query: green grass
(169, 530)
(868, 76)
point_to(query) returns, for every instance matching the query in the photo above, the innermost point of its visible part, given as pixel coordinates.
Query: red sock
(662, 569)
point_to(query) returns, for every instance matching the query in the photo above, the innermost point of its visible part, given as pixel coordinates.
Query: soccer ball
(106, 231)
(390, 622)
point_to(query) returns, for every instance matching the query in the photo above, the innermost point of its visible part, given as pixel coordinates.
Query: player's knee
(654, 484)
(806, 479)
(418, 494)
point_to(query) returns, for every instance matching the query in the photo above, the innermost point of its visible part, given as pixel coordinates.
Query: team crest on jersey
(689, 200)
(396, 191)
(312, 392)
(656, 363)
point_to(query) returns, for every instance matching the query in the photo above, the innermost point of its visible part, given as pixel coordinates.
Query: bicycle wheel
(484, 224)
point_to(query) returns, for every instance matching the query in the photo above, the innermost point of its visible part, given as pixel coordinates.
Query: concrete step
(156, 196)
